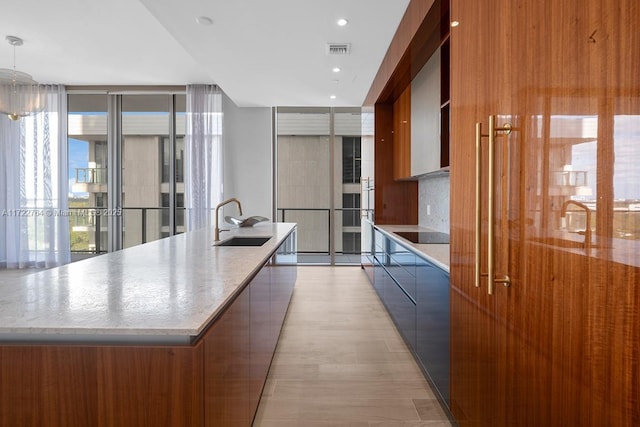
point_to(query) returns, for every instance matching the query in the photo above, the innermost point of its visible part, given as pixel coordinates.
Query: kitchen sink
(244, 241)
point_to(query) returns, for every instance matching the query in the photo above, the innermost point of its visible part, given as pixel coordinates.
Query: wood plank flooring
(341, 362)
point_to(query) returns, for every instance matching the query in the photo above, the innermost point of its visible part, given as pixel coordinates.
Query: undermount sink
(244, 241)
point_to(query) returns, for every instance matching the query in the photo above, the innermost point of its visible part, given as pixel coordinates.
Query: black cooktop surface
(424, 237)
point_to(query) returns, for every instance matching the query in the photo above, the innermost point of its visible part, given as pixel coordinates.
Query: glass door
(318, 169)
(88, 163)
(131, 145)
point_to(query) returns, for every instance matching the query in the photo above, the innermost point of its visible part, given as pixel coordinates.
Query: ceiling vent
(338, 48)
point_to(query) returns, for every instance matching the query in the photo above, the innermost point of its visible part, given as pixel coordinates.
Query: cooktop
(424, 237)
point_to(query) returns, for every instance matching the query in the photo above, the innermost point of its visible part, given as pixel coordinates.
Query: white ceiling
(260, 52)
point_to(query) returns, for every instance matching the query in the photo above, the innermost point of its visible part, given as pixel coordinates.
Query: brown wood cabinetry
(402, 135)
(67, 385)
(560, 345)
(217, 381)
(396, 202)
(422, 30)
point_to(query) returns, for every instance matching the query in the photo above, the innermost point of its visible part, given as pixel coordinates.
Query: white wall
(247, 158)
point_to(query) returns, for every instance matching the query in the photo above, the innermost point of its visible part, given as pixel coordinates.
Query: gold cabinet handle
(478, 201)
(491, 277)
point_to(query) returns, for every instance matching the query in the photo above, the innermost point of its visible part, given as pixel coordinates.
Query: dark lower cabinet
(366, 254)
(432, 320)
(402, 310)
(416, 295)
(379, 277)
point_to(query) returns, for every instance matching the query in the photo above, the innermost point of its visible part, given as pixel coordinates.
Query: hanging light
(20, 95)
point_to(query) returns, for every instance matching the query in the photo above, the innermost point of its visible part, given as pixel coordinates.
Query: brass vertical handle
(491, 213)
(478, 201)
(491, 277)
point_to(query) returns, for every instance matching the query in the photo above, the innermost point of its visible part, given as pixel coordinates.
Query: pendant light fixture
(20, 95)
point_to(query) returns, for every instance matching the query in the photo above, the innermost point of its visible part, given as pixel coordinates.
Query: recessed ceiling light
(204, 20)
(332, 97)
(342, 22)
(455, 23)
(336, 69)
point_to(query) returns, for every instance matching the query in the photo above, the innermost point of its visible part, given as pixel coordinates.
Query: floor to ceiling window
(125, 169)
(88, 161)
(318, 181)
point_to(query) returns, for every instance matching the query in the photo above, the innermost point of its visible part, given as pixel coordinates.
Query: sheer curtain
(34, 183)
(203, 155)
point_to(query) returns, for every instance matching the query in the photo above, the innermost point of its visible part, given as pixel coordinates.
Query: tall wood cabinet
(561, 345)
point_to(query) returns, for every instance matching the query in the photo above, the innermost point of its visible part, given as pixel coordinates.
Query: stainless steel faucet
(587, 228)
(221, 204)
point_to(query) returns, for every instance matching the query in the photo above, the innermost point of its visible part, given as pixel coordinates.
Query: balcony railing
(91, 175)
(143, 224)
(88, 226)
(314, 233)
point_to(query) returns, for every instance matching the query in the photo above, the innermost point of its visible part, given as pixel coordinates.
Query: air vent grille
(338, 48)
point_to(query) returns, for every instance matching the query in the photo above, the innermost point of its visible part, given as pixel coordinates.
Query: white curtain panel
(203, 155)
(34, 184)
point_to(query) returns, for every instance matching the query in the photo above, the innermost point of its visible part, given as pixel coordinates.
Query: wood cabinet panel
(423, 28)
(402, 135)
(283, 279)
(239, 347)
(395, 202)
(59, 385)
(149, 386)
(227, 364)
(263, 336)
(50, 386)
(406, 51)
(560, 345)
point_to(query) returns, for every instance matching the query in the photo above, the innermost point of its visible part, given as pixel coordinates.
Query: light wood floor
(341, 362)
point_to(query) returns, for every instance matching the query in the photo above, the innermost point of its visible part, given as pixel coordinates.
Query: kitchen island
(175, 332)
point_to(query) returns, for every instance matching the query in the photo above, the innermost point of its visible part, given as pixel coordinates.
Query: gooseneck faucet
(221, 204)
(587, 228)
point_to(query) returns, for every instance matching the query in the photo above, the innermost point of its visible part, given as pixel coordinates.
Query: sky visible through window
(78, 158)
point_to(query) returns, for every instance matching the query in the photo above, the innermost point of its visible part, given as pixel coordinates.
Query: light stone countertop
(437, 253)
(165, 291)
(621, 251)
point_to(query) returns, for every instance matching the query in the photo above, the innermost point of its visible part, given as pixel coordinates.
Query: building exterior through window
(139, 139)
(318, 181)
(128, 150)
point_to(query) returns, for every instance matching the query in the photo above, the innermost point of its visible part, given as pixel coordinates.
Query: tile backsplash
(433, 202)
